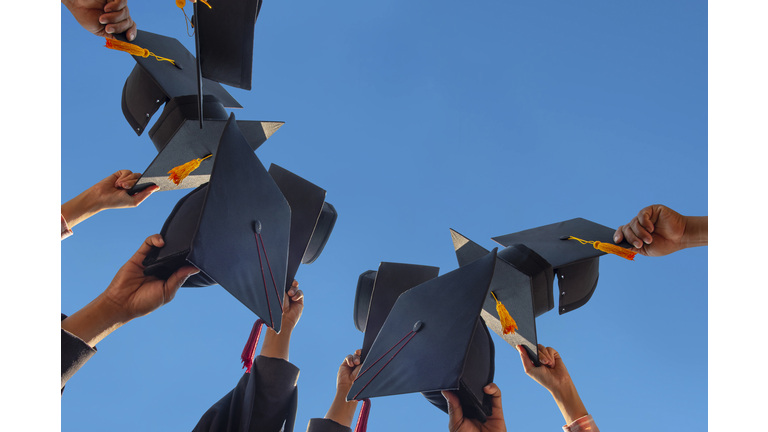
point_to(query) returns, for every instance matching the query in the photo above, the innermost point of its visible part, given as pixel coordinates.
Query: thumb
(527, 363)
(455, 413)
(176, 280)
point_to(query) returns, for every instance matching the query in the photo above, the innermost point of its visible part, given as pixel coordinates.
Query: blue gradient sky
(415, 118)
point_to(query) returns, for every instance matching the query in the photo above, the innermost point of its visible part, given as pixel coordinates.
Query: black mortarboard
(523, 286)
(153, 82)
(434, 340)
(224, 33)
(575, 264)
(235, 229)
(524, 277)
(377, 292)
(178, 140)
(307, 202)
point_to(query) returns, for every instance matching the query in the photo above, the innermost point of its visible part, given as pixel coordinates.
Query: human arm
(341, 411)
(130, 295)
(103, 18)
(265, 397)
(277, 345)
(554, 376)
(110, 193)
(658, 230)
(458, 423)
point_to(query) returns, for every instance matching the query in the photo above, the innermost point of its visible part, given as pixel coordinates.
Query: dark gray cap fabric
(216, 228)
(436, 324)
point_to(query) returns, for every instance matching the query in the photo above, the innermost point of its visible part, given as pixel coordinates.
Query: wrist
(568, 400)
(696, 231)
(276, 345)
(341, 411)
(93, 322)
(80, 208)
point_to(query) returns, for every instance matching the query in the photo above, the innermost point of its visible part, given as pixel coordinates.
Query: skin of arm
(658, 230)
(341, 411)
(109, 193)
(553, 376)
(130, 295)
(277, 345)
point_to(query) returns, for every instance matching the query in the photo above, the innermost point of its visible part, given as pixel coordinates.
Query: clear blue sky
(418, 117)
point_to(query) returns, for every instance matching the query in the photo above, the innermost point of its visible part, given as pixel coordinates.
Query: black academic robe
(74, 353)
(261, 402)
(264, 400)
(325, 425)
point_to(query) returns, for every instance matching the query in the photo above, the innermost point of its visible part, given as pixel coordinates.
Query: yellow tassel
(181, 3)
(178, 174)
(507, 323)
(608, 248)
(133, 50)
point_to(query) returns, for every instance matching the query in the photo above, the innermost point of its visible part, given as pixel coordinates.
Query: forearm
(569, 402)
(93, 322)
(277, 345)
(696, 231)
(341, 411)
(79, 208)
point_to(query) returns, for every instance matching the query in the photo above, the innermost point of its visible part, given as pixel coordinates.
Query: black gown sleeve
(262, 401)
(74, 353)
(325, 425)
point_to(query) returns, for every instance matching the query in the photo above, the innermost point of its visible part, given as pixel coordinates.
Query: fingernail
(638, 244)
(102, 21)
(615, 239)
(647, 242)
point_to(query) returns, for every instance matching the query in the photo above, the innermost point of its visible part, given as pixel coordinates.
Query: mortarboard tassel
(178, 174)
(250, 347)
(134, 50)
(181, 3)
(362, 418)
(507, 322)
(608, 248)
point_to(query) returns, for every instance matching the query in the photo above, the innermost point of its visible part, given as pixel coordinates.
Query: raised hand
(102, 17)
(553, 376)
(458, 423)
(110, 193)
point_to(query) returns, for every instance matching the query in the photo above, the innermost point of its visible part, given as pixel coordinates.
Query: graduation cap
(153, 82)
(525, 272)
(432, 340)
(179, 140)
(312, 219)
(377, 292)
(235, 229)
(224, 35)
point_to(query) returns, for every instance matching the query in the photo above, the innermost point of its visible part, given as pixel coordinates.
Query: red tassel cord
(250, 347)
(362, 418)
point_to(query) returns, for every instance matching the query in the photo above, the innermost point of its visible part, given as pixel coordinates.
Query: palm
(133, 295)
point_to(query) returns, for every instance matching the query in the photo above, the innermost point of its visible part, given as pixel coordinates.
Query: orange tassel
(507, 323)
(181, 3)
(178, 174)
(608, 248)
(133, 50)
